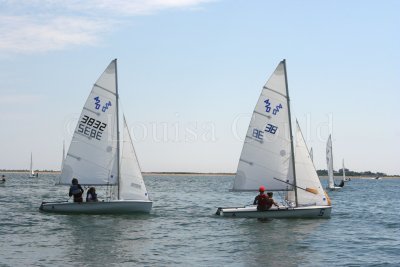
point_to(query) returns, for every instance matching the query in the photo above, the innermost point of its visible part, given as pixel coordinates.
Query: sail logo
(97, 104)
(268, 107)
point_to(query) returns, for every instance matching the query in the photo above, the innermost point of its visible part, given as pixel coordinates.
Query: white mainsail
(344, 172)
(329, 162)
(267, 152)
(310, 190)
(92, 154)
(131, 182)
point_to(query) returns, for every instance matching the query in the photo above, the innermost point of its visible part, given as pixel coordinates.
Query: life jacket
(91, 197)
(75, 190)
(262, 201)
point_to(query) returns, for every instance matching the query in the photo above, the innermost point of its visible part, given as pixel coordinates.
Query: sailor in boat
(341, 183)
(91, 195)
(270, 200)
(76, 190)
(3, 178)
(261, 200)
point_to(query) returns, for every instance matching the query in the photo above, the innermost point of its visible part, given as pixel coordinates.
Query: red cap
(262, 189)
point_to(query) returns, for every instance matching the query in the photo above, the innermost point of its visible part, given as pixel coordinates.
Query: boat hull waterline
(336, 188)
(281, 212)
(106, 207)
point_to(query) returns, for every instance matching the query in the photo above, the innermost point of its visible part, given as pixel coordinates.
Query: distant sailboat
(311, 155)
(329, 161)
(346, 179)
(32, 174)
(94, 156)
(268, 159)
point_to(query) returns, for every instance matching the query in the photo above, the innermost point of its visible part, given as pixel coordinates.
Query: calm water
(181, 230)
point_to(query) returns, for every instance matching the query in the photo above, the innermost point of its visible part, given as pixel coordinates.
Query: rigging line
(307, 189)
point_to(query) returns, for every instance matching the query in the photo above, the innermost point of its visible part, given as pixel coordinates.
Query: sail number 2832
(90, 127)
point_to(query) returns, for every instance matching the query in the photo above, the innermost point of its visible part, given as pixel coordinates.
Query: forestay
(92, 154)
(266, 152)
(131, 183)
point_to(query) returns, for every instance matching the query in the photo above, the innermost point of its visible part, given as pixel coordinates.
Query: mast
(118, 139)
(291, 134)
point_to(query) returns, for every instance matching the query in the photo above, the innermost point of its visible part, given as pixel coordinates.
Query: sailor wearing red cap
(261, 200)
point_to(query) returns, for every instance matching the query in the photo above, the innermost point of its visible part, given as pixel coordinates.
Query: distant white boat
(329, 161)
(268, 159)
(311, 154)
(95, 158)
(345, 179)
(32, 174)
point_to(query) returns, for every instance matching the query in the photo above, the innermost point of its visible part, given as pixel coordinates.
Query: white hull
(282, 212)
(110, 207)
(32, 176)
(335, 188)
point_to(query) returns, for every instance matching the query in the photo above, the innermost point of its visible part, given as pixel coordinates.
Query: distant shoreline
(202, 174)
(144, 173)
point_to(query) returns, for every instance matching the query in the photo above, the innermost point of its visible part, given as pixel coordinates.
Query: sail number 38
(90, 127)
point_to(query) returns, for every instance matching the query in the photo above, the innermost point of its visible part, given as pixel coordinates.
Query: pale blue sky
(198, 66)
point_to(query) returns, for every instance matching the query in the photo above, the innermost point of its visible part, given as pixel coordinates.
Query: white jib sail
(93, 148)
(310, 190)
(266, 152)
(329, 162)
(131, 184)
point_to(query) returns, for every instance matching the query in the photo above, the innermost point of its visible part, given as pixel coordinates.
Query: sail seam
(261, 114)
(104, 89)
(275, 91)
(97, 113)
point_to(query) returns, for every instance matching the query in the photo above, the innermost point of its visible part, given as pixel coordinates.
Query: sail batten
(105, 89)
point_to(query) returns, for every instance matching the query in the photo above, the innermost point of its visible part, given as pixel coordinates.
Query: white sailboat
(95, 159)
(329, 161)
(345, 179)
(32, 174)
(268, 159)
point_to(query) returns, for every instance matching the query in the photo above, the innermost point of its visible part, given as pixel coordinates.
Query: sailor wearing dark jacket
(76, 190)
